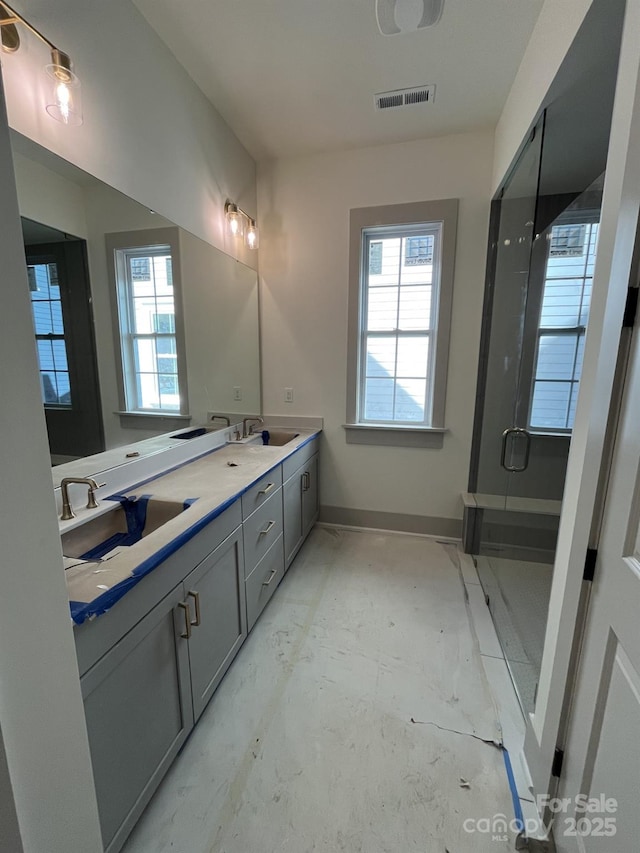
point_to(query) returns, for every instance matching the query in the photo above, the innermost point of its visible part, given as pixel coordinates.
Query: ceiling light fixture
(236, 221)
(63, 92)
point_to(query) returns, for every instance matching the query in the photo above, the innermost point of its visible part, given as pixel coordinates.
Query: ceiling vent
(407, 16)
(405, 97)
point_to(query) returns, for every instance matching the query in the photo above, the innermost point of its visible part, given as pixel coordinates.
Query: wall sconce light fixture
(241, 224)
(63, 92)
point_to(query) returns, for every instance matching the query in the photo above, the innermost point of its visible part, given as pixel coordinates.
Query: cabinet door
(309, 495)
(217, 587)
(137, 703)
(292, 510)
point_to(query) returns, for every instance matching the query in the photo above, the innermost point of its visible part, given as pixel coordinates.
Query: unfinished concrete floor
(310, 741)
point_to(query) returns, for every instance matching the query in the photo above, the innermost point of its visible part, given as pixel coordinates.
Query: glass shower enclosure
(542, 250)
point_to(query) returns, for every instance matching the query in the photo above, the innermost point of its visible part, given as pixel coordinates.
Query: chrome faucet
(221, 418)
(245, 421)
(67, 509)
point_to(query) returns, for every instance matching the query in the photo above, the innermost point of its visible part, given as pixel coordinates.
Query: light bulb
(63, 103)
(63, 99)
(234, 220)
(252, 237)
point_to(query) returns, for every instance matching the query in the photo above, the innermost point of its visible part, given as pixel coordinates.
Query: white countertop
(215, 481)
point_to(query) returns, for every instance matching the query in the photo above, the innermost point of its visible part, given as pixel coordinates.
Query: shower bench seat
(475, 503)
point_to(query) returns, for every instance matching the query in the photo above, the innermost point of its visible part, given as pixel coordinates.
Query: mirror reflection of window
(46, 307)
(148, 330)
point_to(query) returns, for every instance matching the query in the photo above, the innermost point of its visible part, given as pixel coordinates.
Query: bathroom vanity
(180, 602)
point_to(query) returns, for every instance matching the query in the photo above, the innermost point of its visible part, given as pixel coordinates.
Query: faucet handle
(92, 503)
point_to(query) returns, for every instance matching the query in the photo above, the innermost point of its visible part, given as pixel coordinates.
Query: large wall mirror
(71, 224)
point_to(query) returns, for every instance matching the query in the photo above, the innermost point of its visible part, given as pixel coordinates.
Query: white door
(602, 756)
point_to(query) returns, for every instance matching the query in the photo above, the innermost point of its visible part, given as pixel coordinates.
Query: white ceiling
(299, 76)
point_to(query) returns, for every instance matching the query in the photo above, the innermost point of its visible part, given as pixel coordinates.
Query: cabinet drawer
(263, 580)
(291, 465)
(261, 491)
(261, 530)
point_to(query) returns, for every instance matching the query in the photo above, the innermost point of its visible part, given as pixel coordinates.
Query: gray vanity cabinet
(138, 708)
(151, 664)
(215, 619)
(299, 498)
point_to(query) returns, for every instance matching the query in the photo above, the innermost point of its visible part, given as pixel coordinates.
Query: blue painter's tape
(189, 502)
(517, 808)
(136, 512)
(119, 498)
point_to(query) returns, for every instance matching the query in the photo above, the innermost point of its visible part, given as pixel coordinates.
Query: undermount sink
(124, 525)
(277, 437)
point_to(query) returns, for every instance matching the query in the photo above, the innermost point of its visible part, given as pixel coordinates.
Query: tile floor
(310, 741)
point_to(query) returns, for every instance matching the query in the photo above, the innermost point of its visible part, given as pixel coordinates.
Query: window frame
(119, 246)
(365, 220)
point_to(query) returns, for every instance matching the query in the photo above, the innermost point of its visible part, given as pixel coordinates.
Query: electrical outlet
(237, 392)
(288, 395)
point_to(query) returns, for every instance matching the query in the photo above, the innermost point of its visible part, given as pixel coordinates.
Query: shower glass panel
(516, 539)
(503, 442)
(542, 251)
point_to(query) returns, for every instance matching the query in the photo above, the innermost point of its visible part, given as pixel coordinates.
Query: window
(566, 300)
(46, 307)
(152, 374)
(396, 326)
(401, 277)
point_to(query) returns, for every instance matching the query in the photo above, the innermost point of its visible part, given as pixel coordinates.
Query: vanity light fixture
(63, 94)
(237, 219)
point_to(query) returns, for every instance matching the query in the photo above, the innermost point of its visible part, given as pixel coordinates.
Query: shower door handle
(515, 431)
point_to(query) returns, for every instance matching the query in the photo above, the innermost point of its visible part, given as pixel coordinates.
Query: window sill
(395, 436)
(152, 420)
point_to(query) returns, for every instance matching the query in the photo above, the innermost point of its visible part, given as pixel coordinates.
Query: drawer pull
(196, 601)
(267, 489)
(187, 620)
(274, 572)
(267, 528)
(306, 481)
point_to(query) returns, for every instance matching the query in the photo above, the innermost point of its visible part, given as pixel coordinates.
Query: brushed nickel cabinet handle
(274, 572)
(267, 528)
(267, 489)
(196, 602)
(187, 619)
